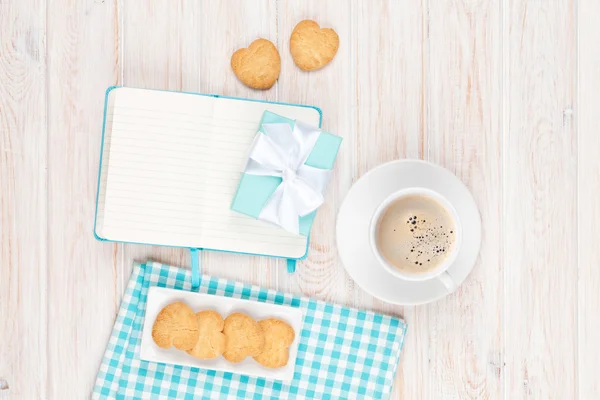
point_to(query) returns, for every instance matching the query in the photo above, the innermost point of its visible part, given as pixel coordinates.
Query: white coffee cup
(441, 271)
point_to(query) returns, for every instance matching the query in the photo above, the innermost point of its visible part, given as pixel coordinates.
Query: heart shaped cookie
(244, 337)
(258, 65)
(312, 47)
(175, 325)
(211, 340)
(278, 338)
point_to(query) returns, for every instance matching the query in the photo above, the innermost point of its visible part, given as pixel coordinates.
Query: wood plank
(23, 185)
(154, 35)
(389, 51)
(331, 89)
(224, 27)
(84, 285)
(539, 200)
(588, 142)
(464, 330)
(187, 47)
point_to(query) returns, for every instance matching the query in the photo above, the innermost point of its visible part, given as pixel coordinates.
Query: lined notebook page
(103, 172)
(171, 165)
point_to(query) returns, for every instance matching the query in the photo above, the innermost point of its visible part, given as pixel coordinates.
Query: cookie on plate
(244, 337)
(312, 47)
(257, 66)
(211, 340)
(175, 326)
(279, 336)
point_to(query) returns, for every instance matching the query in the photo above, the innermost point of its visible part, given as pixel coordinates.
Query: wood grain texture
(83, 279)
(540, 201)
(503, 93)
(464, 331)
(389, 55)
(321, 275)
(153, 37)
(238, 24)
(166, 46)
(588, 213)
(23, 185)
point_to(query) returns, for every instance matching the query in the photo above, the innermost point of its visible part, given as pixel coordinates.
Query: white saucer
(356, 213)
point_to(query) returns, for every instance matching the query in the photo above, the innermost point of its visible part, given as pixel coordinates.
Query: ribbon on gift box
(282, 152)
(285, 175)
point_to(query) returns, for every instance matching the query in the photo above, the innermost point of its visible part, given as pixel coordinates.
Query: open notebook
(170, 167)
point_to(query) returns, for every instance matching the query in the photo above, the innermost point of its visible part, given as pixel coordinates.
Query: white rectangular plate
(158, 298)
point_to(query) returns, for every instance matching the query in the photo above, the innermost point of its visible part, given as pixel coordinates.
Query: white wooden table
(504, 93)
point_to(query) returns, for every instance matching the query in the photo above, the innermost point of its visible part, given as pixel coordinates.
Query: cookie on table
(244, 337)
(279, 336)
(257, 66)
(175, 326)
(211, 340)
(313, 47)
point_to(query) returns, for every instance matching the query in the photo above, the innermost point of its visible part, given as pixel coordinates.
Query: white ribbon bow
(282, 152)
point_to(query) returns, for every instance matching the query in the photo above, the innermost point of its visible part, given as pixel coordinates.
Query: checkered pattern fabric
(343, 352)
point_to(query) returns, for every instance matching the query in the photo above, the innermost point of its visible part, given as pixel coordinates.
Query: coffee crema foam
(415, 234)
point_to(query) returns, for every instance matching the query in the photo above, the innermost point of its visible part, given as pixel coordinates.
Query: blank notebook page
(171, 164)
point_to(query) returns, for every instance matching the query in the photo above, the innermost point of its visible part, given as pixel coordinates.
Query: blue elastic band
(195, 268)
(291, 265)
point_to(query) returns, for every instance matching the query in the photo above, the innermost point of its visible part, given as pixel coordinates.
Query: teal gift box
(254, 191)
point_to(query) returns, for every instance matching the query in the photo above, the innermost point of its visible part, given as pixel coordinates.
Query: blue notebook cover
(195, 260)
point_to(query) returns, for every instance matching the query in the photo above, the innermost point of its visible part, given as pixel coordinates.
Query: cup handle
(447, 281)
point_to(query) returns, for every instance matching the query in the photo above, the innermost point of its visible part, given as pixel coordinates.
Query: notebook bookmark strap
(196, 254)
(291, 265)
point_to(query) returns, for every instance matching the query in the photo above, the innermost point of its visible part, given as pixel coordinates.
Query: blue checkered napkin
(343, 352)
